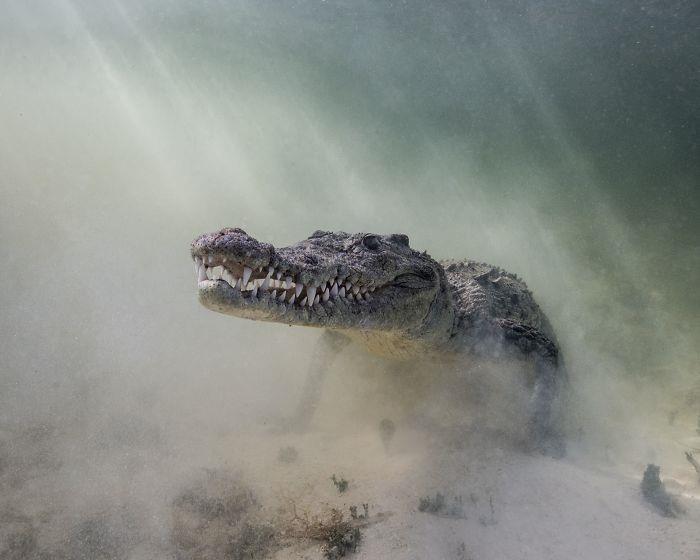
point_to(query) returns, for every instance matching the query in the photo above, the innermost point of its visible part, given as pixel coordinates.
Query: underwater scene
(376, 280)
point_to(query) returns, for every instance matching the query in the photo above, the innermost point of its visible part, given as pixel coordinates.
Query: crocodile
(395, 301)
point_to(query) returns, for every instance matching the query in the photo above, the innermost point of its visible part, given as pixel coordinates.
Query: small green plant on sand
(340, 483)
(438, 505)
(363, 515)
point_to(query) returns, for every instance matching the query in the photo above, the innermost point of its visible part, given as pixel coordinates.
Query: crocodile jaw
(331, 282)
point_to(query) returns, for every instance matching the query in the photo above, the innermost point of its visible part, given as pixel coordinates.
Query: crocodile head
(361, 284)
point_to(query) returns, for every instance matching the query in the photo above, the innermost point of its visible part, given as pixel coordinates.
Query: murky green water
(559, 140)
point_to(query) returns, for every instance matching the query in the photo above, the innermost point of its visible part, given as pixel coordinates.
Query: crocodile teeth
(281, 285)
(311, 292)
(202, 273)
(247, 271)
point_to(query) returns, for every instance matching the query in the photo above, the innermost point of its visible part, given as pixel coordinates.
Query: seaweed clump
(655, 493)
(218, 518)
(339, 536)
(340, 483)
(438, 505)
(363, 515)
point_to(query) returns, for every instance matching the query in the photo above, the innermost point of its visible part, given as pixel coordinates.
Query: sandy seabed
(131, 490)
(502, 503)
(515, 505)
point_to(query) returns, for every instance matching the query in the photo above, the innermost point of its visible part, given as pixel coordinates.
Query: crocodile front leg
(327, 348)
(550, 378)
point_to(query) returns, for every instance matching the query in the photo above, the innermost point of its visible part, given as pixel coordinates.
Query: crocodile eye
(371, 242)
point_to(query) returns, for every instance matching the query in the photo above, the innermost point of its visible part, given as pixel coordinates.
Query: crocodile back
(483, 292)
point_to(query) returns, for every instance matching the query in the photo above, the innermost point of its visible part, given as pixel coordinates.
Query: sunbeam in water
(555, 140)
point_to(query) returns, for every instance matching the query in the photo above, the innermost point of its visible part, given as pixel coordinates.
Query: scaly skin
(397, 302)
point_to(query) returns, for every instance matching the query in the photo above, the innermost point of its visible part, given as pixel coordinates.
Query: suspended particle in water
(386, 431)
